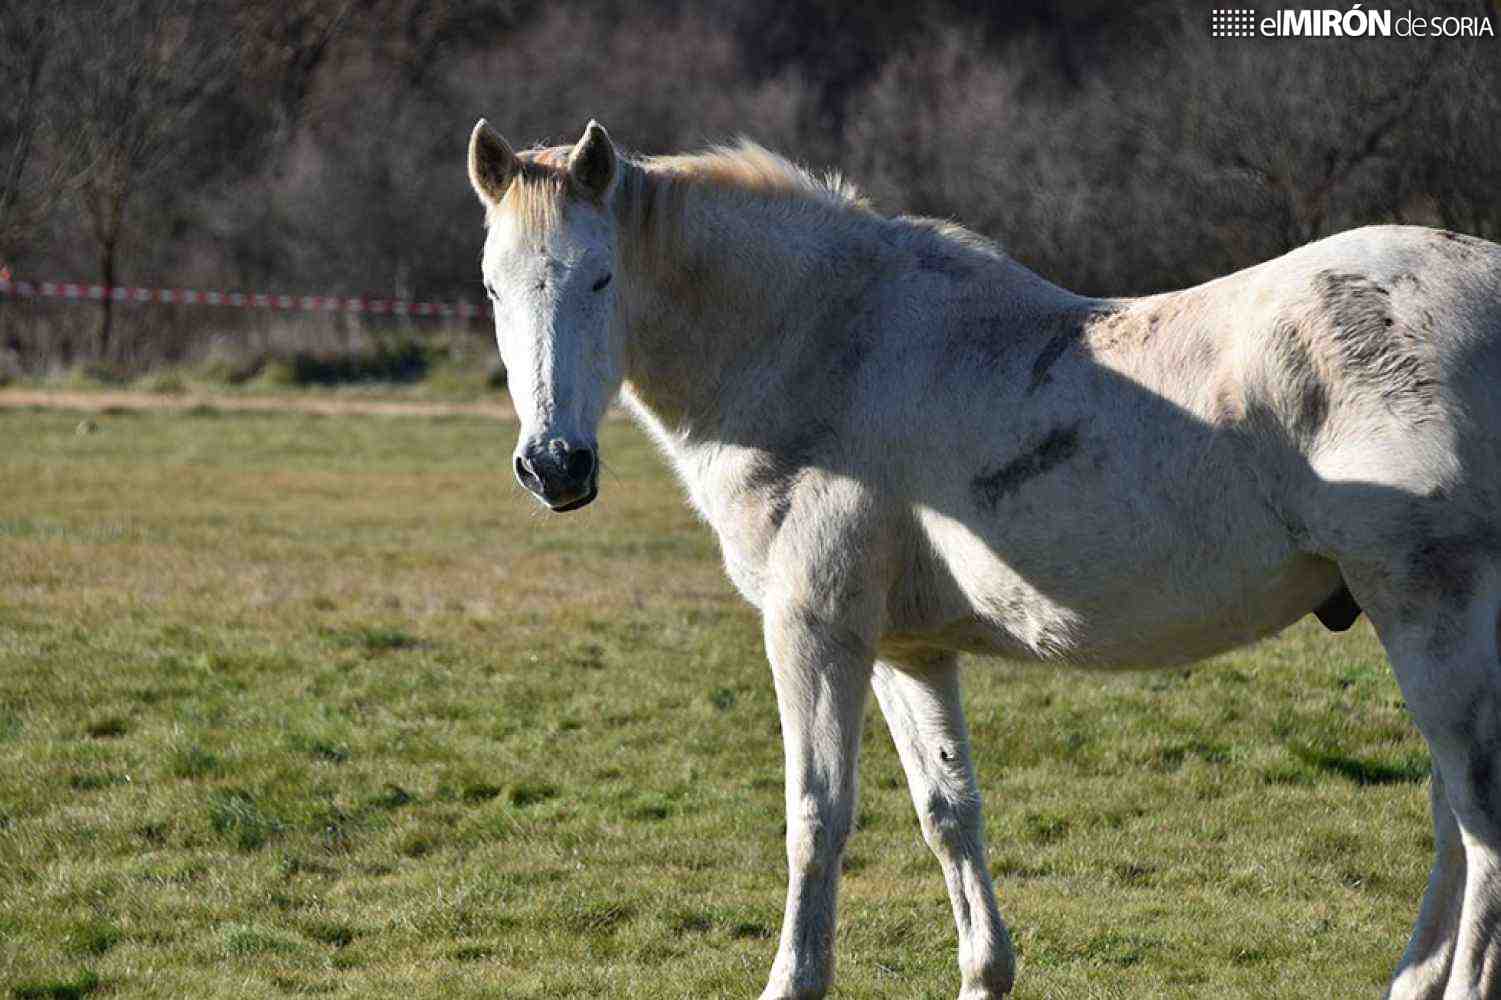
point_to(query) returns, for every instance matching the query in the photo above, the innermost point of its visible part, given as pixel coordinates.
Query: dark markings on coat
(1309, 405)
(1339, 612)
(1372, 346)
(776, 472)
(1313, 406)
(934, 257)
(1050, 354)
(1060, 445)
(1458, 244)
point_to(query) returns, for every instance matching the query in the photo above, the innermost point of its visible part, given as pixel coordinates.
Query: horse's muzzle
(564, 475)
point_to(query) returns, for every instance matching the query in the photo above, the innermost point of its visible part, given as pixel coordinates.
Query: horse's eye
(602, 282)
(489, 291)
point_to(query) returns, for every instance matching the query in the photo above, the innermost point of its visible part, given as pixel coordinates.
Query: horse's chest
(746, 505)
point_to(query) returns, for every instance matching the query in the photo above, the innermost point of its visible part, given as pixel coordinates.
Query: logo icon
(1232, 22)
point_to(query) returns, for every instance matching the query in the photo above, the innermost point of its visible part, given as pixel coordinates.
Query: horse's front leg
(922, 708)
(821, 660)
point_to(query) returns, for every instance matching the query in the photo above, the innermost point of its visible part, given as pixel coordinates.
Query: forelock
(536, 195)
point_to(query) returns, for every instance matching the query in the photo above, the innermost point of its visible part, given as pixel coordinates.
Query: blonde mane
(750, 167)
(654, 189)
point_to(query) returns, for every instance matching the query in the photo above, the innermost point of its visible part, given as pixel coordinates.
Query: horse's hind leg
(1424, 970)
(1442, 641)
(922, 708)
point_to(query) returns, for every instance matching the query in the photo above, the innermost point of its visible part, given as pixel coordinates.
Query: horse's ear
(492, 164)
(593, 163)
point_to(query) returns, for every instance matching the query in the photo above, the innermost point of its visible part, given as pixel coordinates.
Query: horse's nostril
(524, 472)
(580, 464)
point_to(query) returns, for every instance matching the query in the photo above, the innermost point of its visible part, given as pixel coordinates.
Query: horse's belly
(1137, 602)
(1228, 613)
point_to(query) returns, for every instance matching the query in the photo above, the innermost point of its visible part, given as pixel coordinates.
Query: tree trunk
(107, 303)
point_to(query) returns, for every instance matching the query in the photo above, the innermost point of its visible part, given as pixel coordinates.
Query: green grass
(300, 705)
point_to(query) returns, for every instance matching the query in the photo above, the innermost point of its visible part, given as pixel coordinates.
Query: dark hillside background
(316, 146)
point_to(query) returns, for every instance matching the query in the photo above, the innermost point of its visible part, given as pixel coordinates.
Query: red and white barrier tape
(74, 292)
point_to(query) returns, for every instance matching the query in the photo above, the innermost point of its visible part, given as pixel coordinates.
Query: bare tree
(28, 36)
(1192, 157)
(309, 144)
(289, 43)
(136, 79)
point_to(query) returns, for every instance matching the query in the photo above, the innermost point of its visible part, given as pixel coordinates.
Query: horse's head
(549, 261)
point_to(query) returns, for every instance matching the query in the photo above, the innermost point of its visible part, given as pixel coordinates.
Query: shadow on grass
(82, 985)
(399, 362)
(373, 639)
(1411, 769)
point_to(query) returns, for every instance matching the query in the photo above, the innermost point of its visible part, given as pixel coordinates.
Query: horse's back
(1228, 444)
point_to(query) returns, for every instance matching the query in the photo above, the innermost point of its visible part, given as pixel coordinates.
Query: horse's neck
(732, 283)
(748, 296)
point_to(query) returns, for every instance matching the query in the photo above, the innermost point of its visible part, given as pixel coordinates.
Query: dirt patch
(499, 409)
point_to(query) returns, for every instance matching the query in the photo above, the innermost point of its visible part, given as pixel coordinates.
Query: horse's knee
(815, 840)
(948, 825)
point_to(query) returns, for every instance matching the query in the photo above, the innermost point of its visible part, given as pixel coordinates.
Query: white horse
(909, 445)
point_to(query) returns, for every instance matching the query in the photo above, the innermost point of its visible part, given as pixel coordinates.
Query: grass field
(301, 705)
